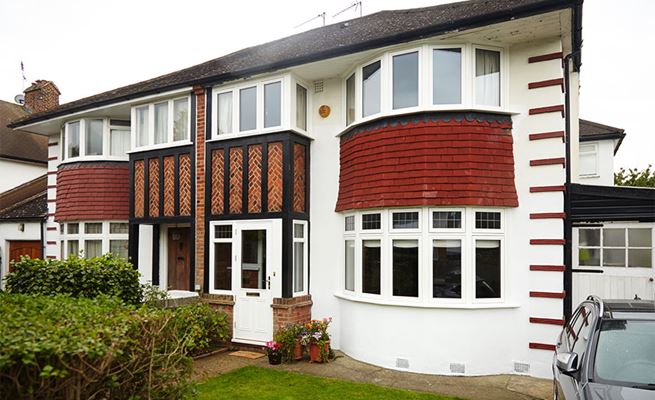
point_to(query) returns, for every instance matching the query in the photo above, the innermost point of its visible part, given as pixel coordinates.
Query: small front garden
(251, 383)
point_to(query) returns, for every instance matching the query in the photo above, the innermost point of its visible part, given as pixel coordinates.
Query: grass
(263, 383)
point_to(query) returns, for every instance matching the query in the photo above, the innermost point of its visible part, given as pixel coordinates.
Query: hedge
(77, 277)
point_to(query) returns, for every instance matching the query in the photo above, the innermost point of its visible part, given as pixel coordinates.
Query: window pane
(161, 122)
(614, 237)
(371, 266)
(487, 77)
(640, 237)
(350, 99)
(298, 231)
(446, 220)
(223, 266)
(181, 119)
(93, 227)
(248, 109)
(371, 221)
(405, 80)
(350, 265)
(613, 258)
(253, 259)
(92, 248)
(223, 232)
(301, 107)
(225, 113)
(298, 266)
(118, 248)
(63, 145)
(93, 128)
(487, 220)
(272, 104)
(119, 142)
(74, 139)
(447, 76)
(640, 258)
(588, 160)
(119, 227)
(589, 237)
(73, 248)
(371, 89)
(405, 220)
(73, 228)
(487, 269)
(589, 257)
(349, 223)
(405, 268)
(447, 269)
(142, 126)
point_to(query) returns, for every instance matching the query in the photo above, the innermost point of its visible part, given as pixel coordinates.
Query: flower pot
(297, 350)
(315, 352)
(275, 358)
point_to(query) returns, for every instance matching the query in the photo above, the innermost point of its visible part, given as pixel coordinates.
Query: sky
(87, 47)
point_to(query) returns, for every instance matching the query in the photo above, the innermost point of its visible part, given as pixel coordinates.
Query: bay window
(371, 88)
(224, 113)
(73, 139)
(447, 268)
(93, 239)
(162, 123)
(405, 268)
(248, 109)
(350, 99)
(299, 257)
(405, 80)
(487, 77)
(447, 76)
(487, 269)
(181, 119)
(371, 259)
(349, 265)
(272, 104)
(93, 137)
(301, 107)
(119, 137)
(96, 139)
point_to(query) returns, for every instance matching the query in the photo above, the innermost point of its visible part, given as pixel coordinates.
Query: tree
(635, 177)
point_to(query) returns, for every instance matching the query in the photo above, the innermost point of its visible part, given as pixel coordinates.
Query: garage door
(20, 248)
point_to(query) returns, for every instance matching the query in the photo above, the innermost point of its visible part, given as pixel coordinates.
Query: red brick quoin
(428, 159)
(93, 191)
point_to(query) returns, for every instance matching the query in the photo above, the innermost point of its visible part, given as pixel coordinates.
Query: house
(408, 173)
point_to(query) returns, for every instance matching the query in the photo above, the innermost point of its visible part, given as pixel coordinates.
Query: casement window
(162, 123)
(447, 76)
(95, 139)
(94, 239)
(350, 99)
(618, 246)
(440, 256)
(405, 80)
(371, 88)
(301, 107)
(299, 257)
(588, 156)
(487, 77)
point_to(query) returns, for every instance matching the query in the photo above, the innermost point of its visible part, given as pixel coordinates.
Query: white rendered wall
(145, 253)
(15, 173)
(604, 164)
(10, 231)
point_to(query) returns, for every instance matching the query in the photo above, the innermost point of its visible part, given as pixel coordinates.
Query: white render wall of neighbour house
(145, 255)
(15, 173)
(481, 338)
(52, 239)
(11, 231)
(596, 163)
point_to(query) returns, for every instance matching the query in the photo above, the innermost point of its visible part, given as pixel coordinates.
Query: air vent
(457, 368)
(521, 368)
(318, 86)
(402, 363)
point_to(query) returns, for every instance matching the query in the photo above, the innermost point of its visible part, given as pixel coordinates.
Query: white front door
(256, 277)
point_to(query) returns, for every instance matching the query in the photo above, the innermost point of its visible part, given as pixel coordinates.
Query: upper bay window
(96, 139)
(260, 106)
(162, 123)
(428, 77)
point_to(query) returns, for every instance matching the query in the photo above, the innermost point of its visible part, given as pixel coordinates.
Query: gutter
(473, 22)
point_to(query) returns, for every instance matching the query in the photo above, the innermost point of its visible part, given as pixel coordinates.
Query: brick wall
(296, 310)
(93, 191)
(221, 302)
(41, 96)
(200, 185)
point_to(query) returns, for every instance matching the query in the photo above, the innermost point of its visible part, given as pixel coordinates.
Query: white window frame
(169, 142)
(504, 77)
(421, 79)
(388, 249)
(383, 221)
(305, 242)
(81, 237)
(594, 151)
(294, 104)
(106, 150)
(626, 248)
(463, 71)
(487, 230)
(212, 240)
(126, 128)
(465, 270)
(352, 231)
(359, 89)
(461, 229)
(405, 210)
(473, 279)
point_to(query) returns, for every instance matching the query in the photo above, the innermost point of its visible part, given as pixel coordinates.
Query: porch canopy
(591, 203)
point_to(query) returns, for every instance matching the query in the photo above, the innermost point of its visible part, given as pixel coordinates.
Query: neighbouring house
(404, 172)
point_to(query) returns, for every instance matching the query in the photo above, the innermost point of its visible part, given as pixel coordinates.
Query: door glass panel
(253, 259)
(589, 237)
(223, 266)
(640, 258)
(590, 257)
(614, 258)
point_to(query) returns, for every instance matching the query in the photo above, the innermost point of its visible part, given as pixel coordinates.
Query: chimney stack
(41, 96)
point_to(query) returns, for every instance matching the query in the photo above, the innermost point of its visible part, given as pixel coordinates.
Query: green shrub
(58, 347)
(203, 327)
(77, 277)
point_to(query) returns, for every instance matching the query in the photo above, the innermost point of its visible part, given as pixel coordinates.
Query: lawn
(263, 383)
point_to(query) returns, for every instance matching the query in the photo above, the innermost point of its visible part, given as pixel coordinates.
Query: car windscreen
(625, 353)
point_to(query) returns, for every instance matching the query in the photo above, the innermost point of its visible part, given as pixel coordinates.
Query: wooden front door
(179, 251)
(18, 248)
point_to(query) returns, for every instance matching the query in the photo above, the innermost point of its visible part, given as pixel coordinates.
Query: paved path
(496, 387)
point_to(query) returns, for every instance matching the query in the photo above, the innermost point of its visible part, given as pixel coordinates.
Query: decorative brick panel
(288, 311)
(185, 184)
(94, 191)
(153, 187)
(255, 178)
(298, 177)
(428, 159)
(139, 189)
(236, 180)
(218, 181)
(275, 177)
(169, 186)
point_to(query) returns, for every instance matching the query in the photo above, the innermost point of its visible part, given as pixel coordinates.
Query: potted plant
(274, 353)
(318, 339)
(298, 332)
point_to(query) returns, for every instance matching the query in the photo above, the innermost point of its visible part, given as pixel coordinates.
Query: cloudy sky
(87, 47)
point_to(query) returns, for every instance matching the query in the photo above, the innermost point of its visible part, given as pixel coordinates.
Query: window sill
(180, 143)
(589, 176)
(93, 158)
(384, 302)
(242, 135)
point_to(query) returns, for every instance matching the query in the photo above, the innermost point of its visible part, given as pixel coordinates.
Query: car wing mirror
(567, 363)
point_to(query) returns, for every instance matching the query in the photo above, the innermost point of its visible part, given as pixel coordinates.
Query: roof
(17, 144)
(371, 31)
(24, 202)
(592, 203)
